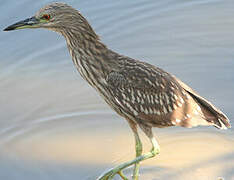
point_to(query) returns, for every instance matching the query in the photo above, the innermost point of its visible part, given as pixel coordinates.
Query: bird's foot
(117, 170)
(111, 173)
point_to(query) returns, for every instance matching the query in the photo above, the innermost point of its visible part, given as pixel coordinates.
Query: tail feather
(223, 122)
(212, 113)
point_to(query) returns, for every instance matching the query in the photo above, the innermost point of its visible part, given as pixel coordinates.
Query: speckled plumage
(152, 97)
(146, 96)
(136, 90)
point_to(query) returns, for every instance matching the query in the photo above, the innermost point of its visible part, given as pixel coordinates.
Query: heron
(145, 95)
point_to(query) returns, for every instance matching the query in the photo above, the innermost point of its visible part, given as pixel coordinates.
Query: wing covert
(149, 94)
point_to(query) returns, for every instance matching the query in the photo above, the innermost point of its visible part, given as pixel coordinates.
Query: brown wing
(153, 97)
(219, 118)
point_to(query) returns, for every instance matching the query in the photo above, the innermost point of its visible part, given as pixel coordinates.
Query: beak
(27, 23)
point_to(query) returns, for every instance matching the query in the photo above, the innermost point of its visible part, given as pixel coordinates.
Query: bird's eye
(46, 16)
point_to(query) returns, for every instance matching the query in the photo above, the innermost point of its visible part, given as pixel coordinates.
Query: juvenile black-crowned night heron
(146, 96)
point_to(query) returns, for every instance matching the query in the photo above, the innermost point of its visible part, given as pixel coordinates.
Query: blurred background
(53, 125)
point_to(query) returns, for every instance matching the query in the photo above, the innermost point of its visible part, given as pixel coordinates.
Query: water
(54, 126)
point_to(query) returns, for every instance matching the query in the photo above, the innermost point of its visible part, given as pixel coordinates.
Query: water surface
(53, 125)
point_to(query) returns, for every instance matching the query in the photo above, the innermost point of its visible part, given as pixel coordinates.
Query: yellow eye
(46, 16)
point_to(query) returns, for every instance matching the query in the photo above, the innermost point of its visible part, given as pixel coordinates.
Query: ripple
(9, 133)
(192, 38)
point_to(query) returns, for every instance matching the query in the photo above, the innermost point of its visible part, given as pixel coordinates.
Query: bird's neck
(89, 55)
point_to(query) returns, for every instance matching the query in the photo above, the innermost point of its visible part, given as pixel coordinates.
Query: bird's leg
(138, 147)
(154, 151)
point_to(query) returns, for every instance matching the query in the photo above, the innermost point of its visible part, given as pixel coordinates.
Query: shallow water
(54, 126)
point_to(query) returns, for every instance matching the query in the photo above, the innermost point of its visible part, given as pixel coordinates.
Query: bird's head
(54, 15)
(57, 17)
